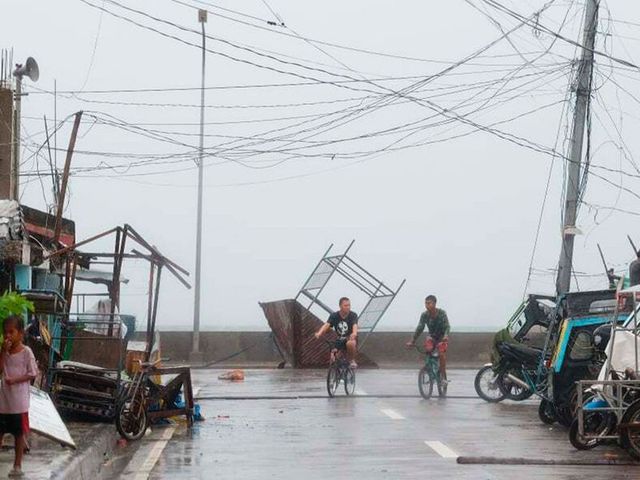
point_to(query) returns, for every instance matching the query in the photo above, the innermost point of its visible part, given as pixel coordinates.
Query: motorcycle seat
(521, 353)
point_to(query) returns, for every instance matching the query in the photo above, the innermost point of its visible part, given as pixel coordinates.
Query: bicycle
(429, 374)
(132, 420)
(340, 370)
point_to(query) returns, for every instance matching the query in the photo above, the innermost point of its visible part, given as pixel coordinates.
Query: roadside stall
(90, 348)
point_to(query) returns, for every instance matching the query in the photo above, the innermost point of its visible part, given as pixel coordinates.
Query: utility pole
(583, 98)
(7, 141)
(15, 163)
(31, 70)
(196, 355)
(65, 177)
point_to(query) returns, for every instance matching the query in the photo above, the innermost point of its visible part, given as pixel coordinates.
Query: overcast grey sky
(426, 196)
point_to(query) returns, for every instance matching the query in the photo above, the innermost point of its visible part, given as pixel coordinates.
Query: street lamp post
(196, 356)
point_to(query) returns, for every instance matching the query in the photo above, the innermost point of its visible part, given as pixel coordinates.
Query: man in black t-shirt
(345, 324)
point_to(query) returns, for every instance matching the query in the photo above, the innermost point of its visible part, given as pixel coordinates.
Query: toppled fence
(294, 324)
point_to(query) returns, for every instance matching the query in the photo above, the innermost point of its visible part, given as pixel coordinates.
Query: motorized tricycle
(527, 328)
(575, 356)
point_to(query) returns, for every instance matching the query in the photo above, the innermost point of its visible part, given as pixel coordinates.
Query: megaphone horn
(30, 69)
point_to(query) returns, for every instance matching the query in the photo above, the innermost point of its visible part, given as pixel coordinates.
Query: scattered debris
(233, 375)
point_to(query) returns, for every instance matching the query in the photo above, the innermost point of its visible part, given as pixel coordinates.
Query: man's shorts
(430, 343)
(341, 343)
(14, 423)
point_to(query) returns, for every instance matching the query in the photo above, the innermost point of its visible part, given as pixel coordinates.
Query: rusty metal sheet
(294, 327)
(280, 317)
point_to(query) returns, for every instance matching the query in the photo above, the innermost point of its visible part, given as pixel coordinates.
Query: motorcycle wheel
(131, 418)
(546, 412)
(578, 441)
(564, 415)
(630, 437)
(513, 391)
(487, 386)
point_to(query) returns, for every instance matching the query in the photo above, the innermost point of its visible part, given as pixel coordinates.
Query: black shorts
(341, 343)
(12, 423)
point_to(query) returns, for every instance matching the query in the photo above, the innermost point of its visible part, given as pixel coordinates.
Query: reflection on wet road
(280, 424)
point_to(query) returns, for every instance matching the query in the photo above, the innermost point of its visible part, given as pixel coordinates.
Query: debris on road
(233, 375)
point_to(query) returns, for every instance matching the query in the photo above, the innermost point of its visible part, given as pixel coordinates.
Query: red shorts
(429, 344)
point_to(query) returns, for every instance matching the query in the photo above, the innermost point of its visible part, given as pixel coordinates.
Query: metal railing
(618, 395)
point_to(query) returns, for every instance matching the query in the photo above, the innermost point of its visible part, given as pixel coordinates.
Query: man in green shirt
(437, 323)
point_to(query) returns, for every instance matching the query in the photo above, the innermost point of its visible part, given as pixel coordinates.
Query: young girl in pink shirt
(18, 369)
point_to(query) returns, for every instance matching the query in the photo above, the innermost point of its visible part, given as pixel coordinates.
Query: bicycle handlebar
(419, 349)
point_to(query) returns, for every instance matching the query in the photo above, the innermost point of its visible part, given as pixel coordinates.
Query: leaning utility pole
(196, 355)
(65, 177)
(583, 97)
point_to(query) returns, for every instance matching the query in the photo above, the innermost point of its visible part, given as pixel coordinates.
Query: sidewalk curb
(87, 461)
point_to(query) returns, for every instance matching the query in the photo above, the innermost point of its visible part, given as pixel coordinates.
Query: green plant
(12, 303)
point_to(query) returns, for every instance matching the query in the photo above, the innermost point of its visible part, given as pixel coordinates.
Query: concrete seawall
(257, 349)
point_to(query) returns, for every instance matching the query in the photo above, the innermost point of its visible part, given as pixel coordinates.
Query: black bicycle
(340, 371)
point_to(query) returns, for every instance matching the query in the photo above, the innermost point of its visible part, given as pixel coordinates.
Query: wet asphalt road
(280, 424)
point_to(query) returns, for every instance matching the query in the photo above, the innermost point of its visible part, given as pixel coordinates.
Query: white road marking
(441, 449)
(392, 414)
(145, 459)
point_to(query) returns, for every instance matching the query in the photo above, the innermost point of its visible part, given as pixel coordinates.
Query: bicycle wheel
(442, 386)
(131, 418)
(486, 384)
(333, 380)
(349, 381)
(425, 382)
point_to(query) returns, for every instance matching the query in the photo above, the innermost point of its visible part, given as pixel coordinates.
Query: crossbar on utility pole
(583, 97)
(196, 355)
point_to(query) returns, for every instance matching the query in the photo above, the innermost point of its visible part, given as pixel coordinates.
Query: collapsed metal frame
(80, 399)
(157, 262)
(380, 296)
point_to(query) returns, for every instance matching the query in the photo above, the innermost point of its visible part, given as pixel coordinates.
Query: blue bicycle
(429, 375)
